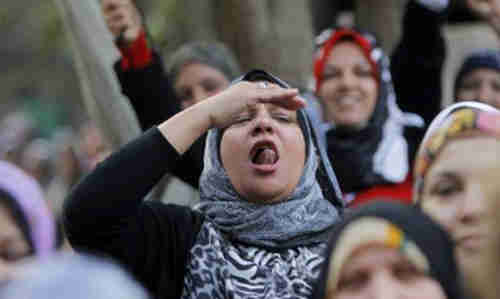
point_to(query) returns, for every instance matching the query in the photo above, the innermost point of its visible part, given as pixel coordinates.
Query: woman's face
(263, 153)
(482, 85)
(197, 82)
(383, 272)
(349, 90)
(456, 191)
(13, 246)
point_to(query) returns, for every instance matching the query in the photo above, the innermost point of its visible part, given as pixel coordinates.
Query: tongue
(266, 156)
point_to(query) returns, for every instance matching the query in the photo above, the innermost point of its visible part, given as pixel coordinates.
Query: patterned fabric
(223, 269)
(372, 230)
(378, 153)
(28, 196)
(459, 120)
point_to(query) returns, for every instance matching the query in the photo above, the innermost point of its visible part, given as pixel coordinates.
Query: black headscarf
(482, 58)
(430, 242)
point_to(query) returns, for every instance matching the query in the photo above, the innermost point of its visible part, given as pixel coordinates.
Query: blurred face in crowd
(349, 89)
(263, 153)
(197, 81)
(380, 272)
(456, 191)
(482, 85)
(94, 146)
(13, 245)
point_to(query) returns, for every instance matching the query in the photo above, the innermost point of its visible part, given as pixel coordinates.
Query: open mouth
(264, 153)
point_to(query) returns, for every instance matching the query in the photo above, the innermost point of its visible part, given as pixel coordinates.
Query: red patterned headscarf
(327, 40)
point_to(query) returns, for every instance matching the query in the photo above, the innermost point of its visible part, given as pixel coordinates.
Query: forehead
(346, 52)
(372, 257)
(468, 156)
(194, 72)
(483, 73)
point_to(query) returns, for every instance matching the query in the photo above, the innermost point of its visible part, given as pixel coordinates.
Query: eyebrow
(446, 174)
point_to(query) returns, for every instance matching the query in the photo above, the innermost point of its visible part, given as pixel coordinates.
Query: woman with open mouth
(263, 217)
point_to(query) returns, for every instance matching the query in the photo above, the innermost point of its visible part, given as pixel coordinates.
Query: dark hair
(16, 214)
(482, 58)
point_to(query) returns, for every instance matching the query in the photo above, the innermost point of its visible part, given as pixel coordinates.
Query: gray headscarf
(213, 54)
(302, 219)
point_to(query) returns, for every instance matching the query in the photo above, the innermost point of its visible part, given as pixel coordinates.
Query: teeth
(347, 100)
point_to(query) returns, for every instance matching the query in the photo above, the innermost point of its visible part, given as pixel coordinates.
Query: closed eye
(446, 186)
(282, 118)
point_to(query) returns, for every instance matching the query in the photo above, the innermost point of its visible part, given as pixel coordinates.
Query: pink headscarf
(29, 197)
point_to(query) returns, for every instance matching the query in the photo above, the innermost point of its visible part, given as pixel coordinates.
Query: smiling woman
(263, 217)
(369, 139)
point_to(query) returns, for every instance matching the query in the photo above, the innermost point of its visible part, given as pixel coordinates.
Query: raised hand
(123, 19)
(220, 110)
(244, 95)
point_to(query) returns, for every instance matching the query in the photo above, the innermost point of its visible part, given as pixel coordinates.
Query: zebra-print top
(218, 268)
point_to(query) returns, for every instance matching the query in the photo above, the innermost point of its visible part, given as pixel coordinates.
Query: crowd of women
(365, 190)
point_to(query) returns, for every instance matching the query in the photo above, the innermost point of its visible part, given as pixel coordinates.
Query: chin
(267, 197)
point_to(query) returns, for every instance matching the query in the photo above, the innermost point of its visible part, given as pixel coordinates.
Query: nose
(385, 286)
(485, 93)
(263, 123)
(199, 94)
(348, 79)
(473, 204)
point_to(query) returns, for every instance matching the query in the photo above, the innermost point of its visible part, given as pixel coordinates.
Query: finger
(287, 98)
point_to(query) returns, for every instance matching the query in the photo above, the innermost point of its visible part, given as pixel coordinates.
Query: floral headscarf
(458, 120)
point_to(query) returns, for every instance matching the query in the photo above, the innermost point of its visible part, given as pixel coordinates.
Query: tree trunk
(94, 54)
(198, 21)
(272, 35)
(383, 18)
